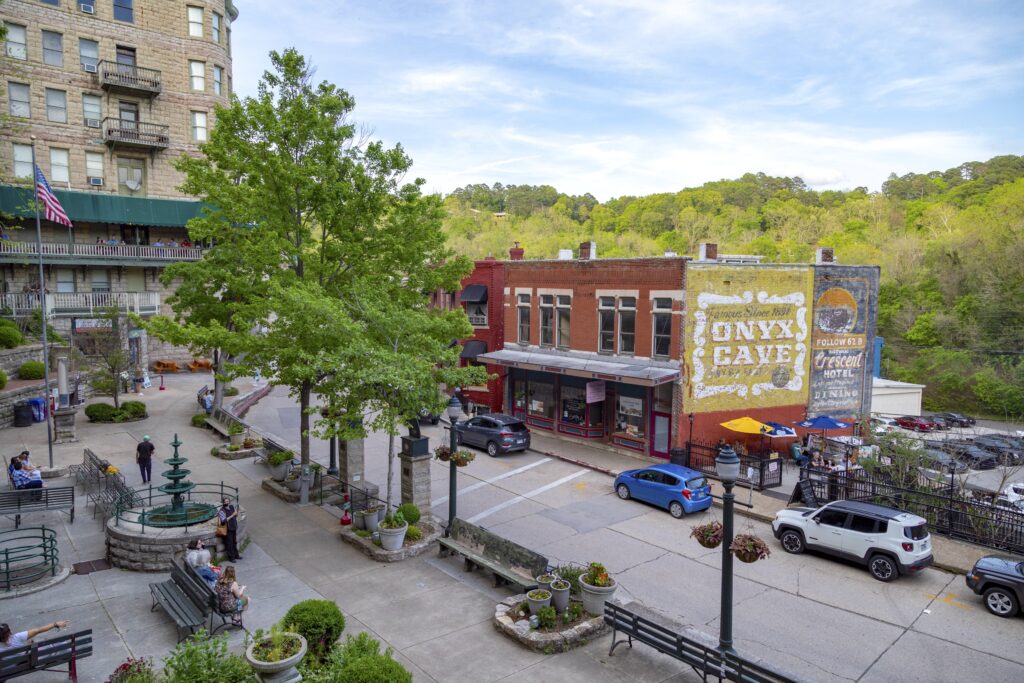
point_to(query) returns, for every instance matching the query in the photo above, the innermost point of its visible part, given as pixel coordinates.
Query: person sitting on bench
(199, 557)
(9, 640)
(22, 478)
(230, 596)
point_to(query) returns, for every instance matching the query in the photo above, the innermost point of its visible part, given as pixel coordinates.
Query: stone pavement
(438, 619)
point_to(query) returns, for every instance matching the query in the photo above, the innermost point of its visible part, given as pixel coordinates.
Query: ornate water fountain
(182, 511)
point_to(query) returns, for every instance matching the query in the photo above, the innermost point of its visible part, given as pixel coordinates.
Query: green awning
(103, 207)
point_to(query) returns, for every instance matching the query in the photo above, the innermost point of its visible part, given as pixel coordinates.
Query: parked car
(916, 423)
(942, 461)
(889, 542)
(957, 419)
(678, 489)
(1014, 491)
(939, 421)
(1007, 454)
(494, 432)
(1001, 581)
(974, 457)
(880, 426)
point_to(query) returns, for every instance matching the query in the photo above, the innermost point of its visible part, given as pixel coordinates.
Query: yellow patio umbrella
(746, 425)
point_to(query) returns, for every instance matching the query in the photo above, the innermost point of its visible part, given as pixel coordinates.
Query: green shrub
(7, 322)
(231, 391)
(101, 412)
(413, 533)
(279, 458)
(199, 420)
(319, 621)
(32, 369)
(410, 512)
(373, 669)
(3, 379)
(200, 658)
(136, 409)
(546, 617)
(215, 450)
(234, 448)
(10, 337)
(572, 574)
(35, 328)
(235, 428)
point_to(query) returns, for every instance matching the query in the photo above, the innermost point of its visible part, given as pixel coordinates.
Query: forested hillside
(950, 245)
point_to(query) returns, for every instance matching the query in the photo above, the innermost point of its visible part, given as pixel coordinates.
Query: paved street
(818, 618)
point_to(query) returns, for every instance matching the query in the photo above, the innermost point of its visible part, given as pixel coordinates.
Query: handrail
(127, 509)
(125, 251)
(129, 132)
(21, 564)
(129, 76)
(83, 303)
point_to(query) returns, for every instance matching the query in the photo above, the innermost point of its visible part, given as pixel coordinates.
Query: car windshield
(916, 533)
(515, 427)
(696, 483)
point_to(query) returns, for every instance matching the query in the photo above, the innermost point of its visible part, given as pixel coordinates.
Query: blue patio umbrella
(822, 422)
(779, 430)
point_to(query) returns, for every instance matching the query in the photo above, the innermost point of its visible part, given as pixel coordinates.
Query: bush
(3, 379)
(10, 337)
(373, 669)
(100, 412)
(234, 448)
(199, 420)
(319, 621)
(413, 533)
(200, 658)
(7, 322)
(410, 512)
(231, 391)
(279, 458)
(546, 617)
(134, 671)
(32, 369)
(135, 409)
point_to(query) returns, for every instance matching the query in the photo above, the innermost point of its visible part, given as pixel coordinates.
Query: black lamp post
(690, 416)
(727, 465)
(454, 410)
(332, 466)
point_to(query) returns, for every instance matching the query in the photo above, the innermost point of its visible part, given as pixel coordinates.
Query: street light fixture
(454, 410)
(691, 427)
(727, 465)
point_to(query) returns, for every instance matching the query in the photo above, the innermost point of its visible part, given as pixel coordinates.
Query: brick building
(113, 92)
(643, 353)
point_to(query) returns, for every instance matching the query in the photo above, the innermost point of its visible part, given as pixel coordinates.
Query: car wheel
(883, 568)
(675, 508)
(1001, 602)
(622, 491)
(792, 541)
(492, 449)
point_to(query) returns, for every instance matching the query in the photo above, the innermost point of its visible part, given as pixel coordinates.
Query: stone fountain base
(151, 549)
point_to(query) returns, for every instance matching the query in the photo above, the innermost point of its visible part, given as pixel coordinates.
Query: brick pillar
(350, 461)
(415, 457)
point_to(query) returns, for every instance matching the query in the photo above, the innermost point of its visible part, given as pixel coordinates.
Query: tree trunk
(218, 384)
(391, 467)
(304, 395)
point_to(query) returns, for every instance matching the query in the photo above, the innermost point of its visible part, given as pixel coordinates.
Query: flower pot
(359, 519)
(594, 597)
(392, 539)
(747, 556)
(382, 512)
(283, 671)
(237, 439)
(279, 472)
(709, 543)
(544, 581)
(372, 519)
(293, 484)
(543, 599)
(560, 596)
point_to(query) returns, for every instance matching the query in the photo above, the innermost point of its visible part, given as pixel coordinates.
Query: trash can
(38, 409)
(22, 414)
(677, 456)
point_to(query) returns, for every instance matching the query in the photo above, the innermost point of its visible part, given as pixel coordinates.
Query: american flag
(52, 210)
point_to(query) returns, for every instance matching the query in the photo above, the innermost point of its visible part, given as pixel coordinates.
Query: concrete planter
(541, 597)
(560, 596)
(293, 484)
(372, 519)
(594, 597)
(392, 539)
(283, 671)
(281, 471)
(237, 439)
(359, 519)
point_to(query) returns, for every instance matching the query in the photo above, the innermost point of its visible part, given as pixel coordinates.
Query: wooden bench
(46, 655)
(509, 562)
(197, 364)
(183, 599)
(227, 619)
(165, 366)
(24, 501)
(698, 650)
(220, 420)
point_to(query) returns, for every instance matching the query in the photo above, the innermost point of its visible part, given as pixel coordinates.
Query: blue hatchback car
(677, 488)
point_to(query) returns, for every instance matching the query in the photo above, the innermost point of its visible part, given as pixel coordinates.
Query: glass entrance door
(662, 435)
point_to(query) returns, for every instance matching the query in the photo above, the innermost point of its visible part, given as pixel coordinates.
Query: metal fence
(948, 513)
(756, 472)
(27, 555)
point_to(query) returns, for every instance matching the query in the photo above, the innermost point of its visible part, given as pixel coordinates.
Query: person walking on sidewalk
(228, 516)
(144, 458)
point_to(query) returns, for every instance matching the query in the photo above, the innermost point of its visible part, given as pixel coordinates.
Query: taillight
(687, 493)
(908, 546)
(506, 434)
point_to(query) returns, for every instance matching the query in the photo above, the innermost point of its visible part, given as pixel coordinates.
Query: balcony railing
(81, 304)
(128, 78)
(478, 320)
(72, 251)
(128, 133)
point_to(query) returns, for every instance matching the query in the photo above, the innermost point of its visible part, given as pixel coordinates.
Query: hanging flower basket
(708, 535)
(462, 458)
(443, 453)
(749, 548)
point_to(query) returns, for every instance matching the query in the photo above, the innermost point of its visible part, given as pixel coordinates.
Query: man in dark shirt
(144, 457)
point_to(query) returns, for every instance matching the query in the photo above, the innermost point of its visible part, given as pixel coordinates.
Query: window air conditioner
(92, 123)
(95, 181)
(89, 68)
(87, 8)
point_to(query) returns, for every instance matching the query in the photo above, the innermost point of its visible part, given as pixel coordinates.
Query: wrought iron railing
(81, 304)
(128, 252)
(135, 133)
(757, 472)
(26, 555)
(132, 506)
(128, 77)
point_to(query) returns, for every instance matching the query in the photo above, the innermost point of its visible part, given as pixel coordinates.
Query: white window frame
(60, 165)
(625, 307)
(605, 308)
(22, 160)
(16, 49)
(197, 75)
(194, 16)
(563, 307)
(218, 79)
(92, 112)
(523, 305)
(51, 52)
(546, 309)
(18, 104)
(64, 285)
(216, 21)
(85, 59)
(661, 306)
(104, 281)
(94, 164)
(198, 121)
(53, 109)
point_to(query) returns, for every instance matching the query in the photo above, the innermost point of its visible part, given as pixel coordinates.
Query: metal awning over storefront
(473, 348)
(627, 373)
(474, 294)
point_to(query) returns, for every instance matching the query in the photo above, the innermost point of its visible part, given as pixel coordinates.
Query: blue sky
(643, 96)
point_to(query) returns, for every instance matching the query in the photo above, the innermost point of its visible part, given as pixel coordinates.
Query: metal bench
(46, 655)
(183, 599)
(23, 501)
(508, 562)
(226, 618)
(115, 492)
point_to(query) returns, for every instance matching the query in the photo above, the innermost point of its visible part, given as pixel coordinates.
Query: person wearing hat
(144, 458)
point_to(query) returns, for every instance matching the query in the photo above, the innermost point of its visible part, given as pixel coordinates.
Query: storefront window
(574, 405)
(542, 400)
(629, 418)
(663, 398)
(519, 397)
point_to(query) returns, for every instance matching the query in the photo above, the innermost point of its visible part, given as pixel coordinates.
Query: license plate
(520, 441)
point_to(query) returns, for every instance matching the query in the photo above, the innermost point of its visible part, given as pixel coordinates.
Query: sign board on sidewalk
(804, 491)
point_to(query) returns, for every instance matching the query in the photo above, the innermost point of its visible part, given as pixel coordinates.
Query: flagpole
(42, 305)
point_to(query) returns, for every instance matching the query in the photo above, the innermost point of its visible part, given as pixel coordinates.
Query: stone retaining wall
(129, 548)
(9, 397)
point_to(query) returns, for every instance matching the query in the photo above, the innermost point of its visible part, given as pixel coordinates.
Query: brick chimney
(708, 251)
(516, 253)
(588, 250)
(824, 255)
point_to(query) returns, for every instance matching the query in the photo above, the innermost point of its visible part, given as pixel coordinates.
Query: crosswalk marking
(480, 484)
(526, 496)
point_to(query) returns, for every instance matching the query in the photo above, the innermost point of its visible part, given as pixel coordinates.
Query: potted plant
(371, 516)
(749, 548)
(443, 453)
(317, 470)
(293, 481)
(236, 432)
(544, 580)
(392, 531)
(560, 594)
(538, 598)
(359, 519)
(708, 534)
(596, 587)
(274, 656)
(462, 458)
(280, 463)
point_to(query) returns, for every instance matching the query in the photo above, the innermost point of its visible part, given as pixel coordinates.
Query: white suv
(890, 542)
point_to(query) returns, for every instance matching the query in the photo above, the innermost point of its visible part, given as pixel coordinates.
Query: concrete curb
(574, 461)
(29, 589)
